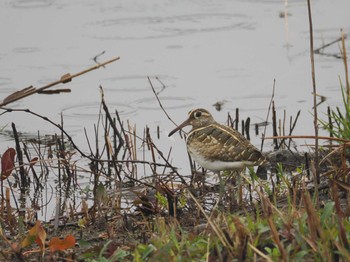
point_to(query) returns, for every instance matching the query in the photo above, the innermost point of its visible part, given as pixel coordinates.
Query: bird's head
(196, 118)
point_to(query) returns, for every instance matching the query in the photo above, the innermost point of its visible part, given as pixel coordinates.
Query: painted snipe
(218, 147)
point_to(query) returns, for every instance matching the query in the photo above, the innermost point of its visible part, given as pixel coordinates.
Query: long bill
(186, 123)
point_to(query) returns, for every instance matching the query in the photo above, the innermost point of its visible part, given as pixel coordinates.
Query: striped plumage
(218, 147)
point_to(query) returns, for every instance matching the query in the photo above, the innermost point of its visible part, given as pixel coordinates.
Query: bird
(218, 147)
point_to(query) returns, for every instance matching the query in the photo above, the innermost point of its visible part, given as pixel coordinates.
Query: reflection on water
(26, 50)
(169, 102)
(5, 82)
(138, 83)
(90, 110)
(31, 3)
(159, 27)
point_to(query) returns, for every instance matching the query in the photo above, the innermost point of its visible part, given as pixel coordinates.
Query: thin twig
(23, 181)
(345, 60)
(163, 85)
(318, 50)
(290, 131)
(274, 125)
(309, 137)
(64, 79)
(160, 104)
(268, 114)
(108, 115)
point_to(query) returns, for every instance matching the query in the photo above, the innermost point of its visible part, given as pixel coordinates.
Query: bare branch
(28, 91)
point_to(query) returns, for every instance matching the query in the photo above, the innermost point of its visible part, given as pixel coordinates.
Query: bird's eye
(198, 114)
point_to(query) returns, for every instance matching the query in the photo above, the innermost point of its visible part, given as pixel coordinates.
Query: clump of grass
(294, 232)
(338, 124)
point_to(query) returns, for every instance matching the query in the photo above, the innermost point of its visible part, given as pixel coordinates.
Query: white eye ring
(198, 114)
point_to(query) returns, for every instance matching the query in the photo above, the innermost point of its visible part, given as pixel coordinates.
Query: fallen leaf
(57, 244)
(36, 234)
(7, 163)
(41, 237)
(33, 162)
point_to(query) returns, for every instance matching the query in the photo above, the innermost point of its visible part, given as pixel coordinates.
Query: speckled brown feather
(219, 142)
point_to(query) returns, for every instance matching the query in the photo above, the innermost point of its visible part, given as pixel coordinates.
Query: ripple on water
(90, 110)
(272, 1)
(31, 3)
(138, 83)
(5, 83)
(168, 102)
(160, 27)
(26, 50)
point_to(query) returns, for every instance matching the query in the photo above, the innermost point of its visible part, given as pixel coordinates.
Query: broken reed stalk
(330, 122)
(292, 126)
(64, 79)
(115, 132)
(345, 66)
(150, 148)
(268, 114)
(318, 50)
(284, 126)
(242, 128)
(247, 128)
(23, 180)
(313, 75)
(108, 145)
(237, 118)
(274, 126)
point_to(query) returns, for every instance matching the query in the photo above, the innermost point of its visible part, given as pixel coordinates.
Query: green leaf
(328, 211)
(162, 199)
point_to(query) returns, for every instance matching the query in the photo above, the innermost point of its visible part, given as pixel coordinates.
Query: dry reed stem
(268, 114)
(257, 251)
(314, 224)
(345, 66)
(213, 225)
(64, 79)
(276, 238)
(313, 76)
(309, 137)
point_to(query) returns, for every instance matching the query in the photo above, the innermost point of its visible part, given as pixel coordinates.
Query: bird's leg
(231, 191)
(240, 186)
(224, 176)
(203, 175)
(233, 177)
(221, 188)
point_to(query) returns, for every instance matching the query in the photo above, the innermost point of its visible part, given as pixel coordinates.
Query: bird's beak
(186, 123)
